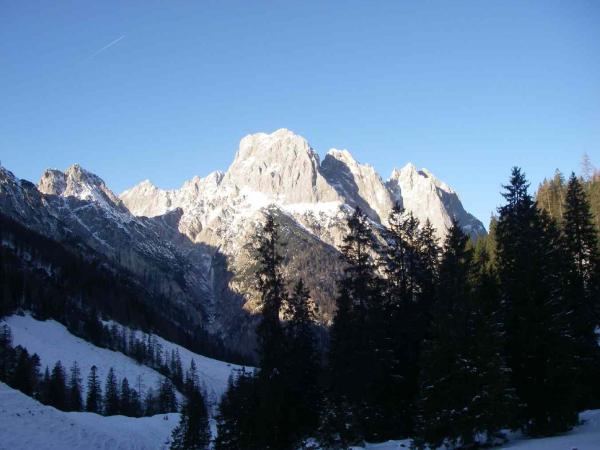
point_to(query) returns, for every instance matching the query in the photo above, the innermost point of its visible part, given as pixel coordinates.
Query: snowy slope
(53, 342)
(213, 373)
(27, 424)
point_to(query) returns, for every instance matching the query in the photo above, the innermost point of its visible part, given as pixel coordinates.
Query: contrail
(107, 46)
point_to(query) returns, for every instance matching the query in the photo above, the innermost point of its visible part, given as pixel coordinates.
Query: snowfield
(213, 373)
(27, 424)
(52, 342)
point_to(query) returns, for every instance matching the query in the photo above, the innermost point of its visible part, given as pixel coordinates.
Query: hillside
(27, 424)
(53, 342)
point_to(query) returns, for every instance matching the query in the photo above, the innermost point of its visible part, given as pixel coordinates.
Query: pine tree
(237, 414)
(302, 364)
(93, 401)
(125, 407)
(272, 418)
(270, 285)
(111, 394)
(192, 432)
(583, 287)
(57, 392)
(540, 348)
(75, 401)
(409, 263)
(167, 401)
(464, 389)
(25, 374)
(44, 388)
(6, 352)
(354, 359)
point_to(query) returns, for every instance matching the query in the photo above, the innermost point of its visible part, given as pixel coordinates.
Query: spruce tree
(583, 287)
(237, 414)
(167, 400)
(125, 407)
(111, 394)
(464, 388)
(57, 392)
(540, 348)
(192, 432)
(25, 373)
(45, 387)
(302, 364)
(272, 417)
(93, 401)
(354, 362)
(409, 262)
(270, 285)
(75, 400)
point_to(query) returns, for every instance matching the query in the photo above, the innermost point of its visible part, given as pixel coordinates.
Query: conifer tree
(355, 366)
(75, 401)
(192, 432)
(167, 401)
(272, 429)
(45, 387)
(111, 394)
(57, 392)
(540, 347)
(93, 401)
(25, 373)
(270, 285)
(125, 407)
(408, 262)
(6, 352)
(464, 389)
(237, 414)
(583, 287)
(302, 364)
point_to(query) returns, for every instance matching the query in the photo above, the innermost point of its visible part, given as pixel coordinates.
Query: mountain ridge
(190, 244)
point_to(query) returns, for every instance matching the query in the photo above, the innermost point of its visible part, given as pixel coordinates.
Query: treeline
(62, 388)
(449, 344)
(67, 281)
(551, 193)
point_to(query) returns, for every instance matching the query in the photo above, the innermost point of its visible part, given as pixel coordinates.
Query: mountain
(188, 245)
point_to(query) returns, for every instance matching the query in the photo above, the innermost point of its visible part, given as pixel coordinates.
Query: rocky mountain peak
(428, 198)
(358, 184)
(281, 165)
(79, 183)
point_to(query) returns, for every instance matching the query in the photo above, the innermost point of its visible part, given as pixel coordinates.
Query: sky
(165, 90)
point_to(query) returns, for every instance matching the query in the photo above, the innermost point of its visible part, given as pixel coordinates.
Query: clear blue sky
(165, 90)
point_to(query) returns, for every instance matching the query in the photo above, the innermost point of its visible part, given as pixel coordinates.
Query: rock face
(430, 199)
(190, 243)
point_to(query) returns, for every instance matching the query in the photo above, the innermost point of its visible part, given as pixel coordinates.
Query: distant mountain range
(189, 244)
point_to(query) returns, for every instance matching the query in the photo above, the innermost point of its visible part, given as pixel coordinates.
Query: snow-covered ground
(27, 424)
(53, 342)
(583, 437)
(213, 373)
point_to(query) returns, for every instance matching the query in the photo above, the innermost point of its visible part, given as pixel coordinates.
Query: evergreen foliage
(112, 402)
(75, 401)
(464, 385)
(192, 432)
(93, 401)
(540, 347)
